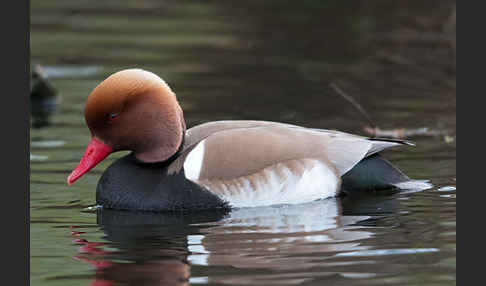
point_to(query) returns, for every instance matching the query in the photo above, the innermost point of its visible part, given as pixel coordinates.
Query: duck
(44, 98)
(219, 164)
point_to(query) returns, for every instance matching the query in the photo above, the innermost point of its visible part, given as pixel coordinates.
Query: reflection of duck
(153, 247)
(165, 248)
(217, 164)
(43, 97)
(265, 237)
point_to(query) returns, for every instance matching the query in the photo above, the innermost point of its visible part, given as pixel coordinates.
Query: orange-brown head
(131, 110)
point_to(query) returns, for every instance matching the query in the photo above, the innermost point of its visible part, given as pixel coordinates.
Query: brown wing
(232, 148)
(242, 151)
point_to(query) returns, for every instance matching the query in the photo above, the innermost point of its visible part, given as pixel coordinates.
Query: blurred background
(230, 58)
(263, 60)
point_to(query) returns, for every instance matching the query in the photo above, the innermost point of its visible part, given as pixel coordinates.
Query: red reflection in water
(170, 271)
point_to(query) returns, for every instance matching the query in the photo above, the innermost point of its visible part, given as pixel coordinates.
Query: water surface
(264, 60)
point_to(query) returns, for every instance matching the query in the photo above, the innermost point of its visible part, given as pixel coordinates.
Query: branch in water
(374, 131)
(400, 133)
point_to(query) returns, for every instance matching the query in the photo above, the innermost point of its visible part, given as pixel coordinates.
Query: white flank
(292, 182)
(193, 162)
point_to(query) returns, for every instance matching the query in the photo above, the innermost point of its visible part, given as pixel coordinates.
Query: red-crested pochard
(220, 164)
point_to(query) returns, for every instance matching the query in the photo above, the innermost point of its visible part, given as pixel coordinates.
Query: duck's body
(289, 165)
(218, 164)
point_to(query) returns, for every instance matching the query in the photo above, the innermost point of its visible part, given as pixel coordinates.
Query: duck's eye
(112, 116)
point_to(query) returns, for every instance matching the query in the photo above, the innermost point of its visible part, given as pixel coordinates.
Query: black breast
(133, 185)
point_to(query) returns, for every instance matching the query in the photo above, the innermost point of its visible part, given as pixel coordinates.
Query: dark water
(269, 60)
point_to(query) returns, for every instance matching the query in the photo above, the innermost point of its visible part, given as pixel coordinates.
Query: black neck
(164, 163)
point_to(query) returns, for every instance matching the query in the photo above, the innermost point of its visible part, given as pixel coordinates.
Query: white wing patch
(193, 162)
(290, 182)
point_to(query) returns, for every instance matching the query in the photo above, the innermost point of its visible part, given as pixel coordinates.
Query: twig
(354, 103)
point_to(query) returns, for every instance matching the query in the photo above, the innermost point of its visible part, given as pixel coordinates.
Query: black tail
(372, 173)
(400, 141)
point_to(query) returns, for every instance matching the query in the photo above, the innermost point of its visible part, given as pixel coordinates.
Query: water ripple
(380, 252)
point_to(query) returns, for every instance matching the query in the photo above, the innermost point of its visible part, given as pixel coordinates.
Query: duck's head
(131, 110)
